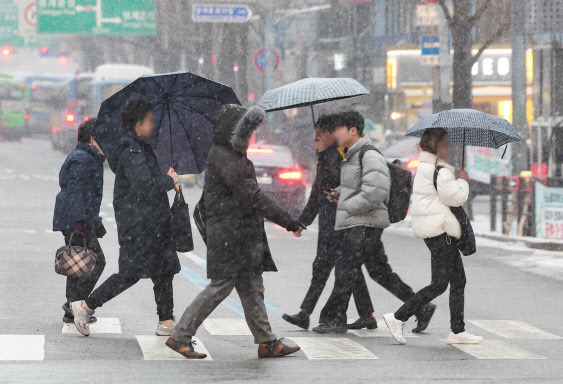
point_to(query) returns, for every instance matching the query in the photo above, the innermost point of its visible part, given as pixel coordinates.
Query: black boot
(330, 328)
(423, 318)
(367, 322)
(300, 319)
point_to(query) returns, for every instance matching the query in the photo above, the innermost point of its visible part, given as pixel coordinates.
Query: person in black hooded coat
(142, 213)
(237, 247)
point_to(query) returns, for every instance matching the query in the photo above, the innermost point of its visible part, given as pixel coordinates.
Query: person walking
(77, 210)
(433, 221)
(361, 216)
(327, 178)
(142, 213)
(237, 246)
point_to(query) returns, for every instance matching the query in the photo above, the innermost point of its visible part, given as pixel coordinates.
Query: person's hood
(235, 125)
(126, 142)
(97, 155)
(427, 157)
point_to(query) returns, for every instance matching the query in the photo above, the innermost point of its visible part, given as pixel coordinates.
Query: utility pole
(269, 46)
(442, 72)
(519, 96)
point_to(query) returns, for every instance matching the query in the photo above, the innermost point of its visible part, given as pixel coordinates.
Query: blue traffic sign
(221, 13)
(430, 45)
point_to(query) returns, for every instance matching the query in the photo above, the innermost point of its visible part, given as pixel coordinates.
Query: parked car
(405, 150)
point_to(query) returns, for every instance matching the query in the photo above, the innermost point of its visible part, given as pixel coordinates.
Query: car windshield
(271, 156)
(406, 147)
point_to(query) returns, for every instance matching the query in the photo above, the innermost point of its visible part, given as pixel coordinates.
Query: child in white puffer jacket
(433, 221)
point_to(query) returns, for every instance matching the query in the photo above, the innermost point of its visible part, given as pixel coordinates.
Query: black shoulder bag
(466, 243)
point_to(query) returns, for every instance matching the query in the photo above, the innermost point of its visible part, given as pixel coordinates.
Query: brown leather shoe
(185, 349)
(276, 349)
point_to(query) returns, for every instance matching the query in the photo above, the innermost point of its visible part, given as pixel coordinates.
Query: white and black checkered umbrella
(311, 91)
(469, 127)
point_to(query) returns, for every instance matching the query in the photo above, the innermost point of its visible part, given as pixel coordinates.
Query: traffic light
(6, 51)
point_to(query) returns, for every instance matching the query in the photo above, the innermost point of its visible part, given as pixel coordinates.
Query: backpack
(401, 187)
(200, 218)
(466, 243)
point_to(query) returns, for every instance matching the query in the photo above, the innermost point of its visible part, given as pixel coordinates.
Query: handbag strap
(70, 241)
(435, 180)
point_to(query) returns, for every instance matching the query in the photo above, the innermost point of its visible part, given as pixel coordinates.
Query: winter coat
(364, 189)
(81, 179)
(235, 206)
(327, 178)
(142, 211)
(431, 215)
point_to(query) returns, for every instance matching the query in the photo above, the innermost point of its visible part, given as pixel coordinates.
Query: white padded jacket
(431, 215)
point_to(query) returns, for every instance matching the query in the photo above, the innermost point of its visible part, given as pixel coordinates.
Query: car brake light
(260, 150)
(292, 175)
(26, 116)
(55, 129)
(413, 164)
(70, 117)
(86, 118)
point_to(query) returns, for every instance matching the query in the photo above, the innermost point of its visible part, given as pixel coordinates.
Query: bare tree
(461, 23)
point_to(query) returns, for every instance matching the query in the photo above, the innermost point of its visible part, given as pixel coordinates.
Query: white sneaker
(81, 317)
(463, 338)
(163, 329)
(396, 327)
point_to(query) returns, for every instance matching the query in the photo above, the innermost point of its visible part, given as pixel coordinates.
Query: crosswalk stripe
(227, 327)
(22, 347)
(103, 325)
(514, 329)
(495, 350)
(153, 348)
(380, 331)
(332, 348)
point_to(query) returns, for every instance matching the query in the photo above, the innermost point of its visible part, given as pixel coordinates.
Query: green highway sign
(9, 25)
(97, 17)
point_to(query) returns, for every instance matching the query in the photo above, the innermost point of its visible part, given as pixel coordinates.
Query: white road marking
(22, 347)
(332, 348)
(153, 348)
(514, 329)
(17, 230)
(227, 327)
(50, 231)
(194, 257)
(380, 331)
(496, 350)
(103, 325)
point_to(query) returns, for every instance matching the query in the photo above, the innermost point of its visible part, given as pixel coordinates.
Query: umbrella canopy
(469, 127)
(310, 91)
(185, 108)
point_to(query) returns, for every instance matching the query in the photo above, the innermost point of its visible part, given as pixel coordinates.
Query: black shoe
(423, 318)
(300, 319)
(367, 322)
(330, 328)
(68, 317)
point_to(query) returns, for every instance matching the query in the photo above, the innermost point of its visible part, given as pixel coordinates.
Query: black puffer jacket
(142, 211)
(235, 205)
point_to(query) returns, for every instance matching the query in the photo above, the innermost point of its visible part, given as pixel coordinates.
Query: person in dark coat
(237, 247)
(327, 178)
(77, 209)
(142, 214)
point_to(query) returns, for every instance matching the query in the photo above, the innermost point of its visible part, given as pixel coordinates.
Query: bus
(14, 104)
(89, 91)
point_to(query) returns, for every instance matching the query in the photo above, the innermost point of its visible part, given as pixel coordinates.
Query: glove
(295, 226)
(101, 231)
(80, 228)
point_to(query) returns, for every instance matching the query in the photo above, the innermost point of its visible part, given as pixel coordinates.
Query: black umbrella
(185, 108)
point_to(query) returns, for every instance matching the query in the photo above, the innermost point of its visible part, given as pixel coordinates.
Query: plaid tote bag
(74, 260)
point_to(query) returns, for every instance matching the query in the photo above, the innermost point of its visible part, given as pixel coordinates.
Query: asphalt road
(523, 309)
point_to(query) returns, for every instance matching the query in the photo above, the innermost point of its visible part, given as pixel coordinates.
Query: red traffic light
(6, 51)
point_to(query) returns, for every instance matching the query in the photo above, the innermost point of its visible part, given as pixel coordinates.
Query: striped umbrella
(469, 127)
(310, 91)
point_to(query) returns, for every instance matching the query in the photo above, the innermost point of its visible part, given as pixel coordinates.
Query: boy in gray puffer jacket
(361, 216)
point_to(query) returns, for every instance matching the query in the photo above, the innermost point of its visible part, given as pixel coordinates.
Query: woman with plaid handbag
(77, 210)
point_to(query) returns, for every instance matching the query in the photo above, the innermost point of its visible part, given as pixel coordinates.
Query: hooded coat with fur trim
(234, 204)
(430, 210)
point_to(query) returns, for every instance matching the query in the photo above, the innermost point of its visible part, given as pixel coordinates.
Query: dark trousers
(80, 288)
(327, 254)
(447, 268)
(359, 246)
(117, 283)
